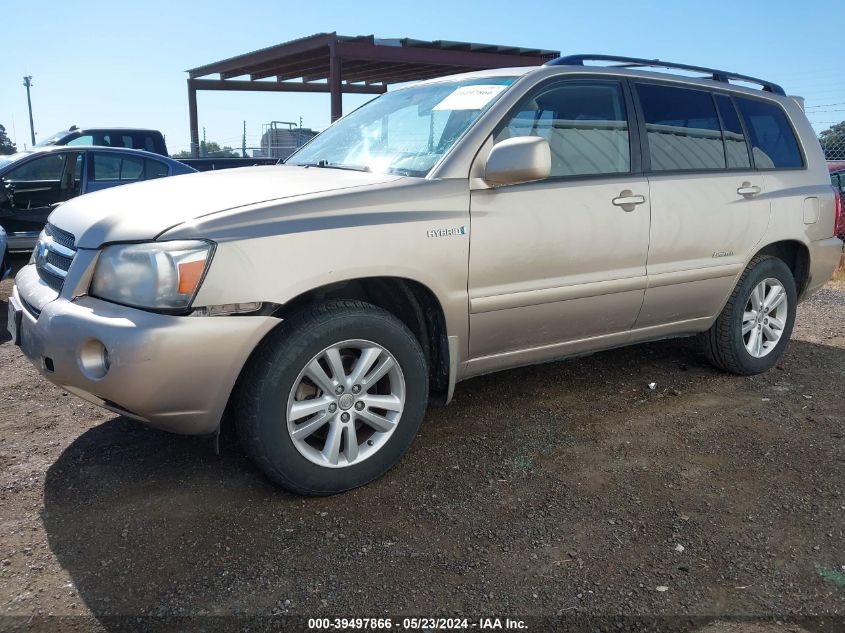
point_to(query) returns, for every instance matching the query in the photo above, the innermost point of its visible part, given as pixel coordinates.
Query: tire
(725, 344)
(278, 380)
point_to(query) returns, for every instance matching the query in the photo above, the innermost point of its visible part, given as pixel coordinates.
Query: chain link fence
(833, 142)
(827, 116)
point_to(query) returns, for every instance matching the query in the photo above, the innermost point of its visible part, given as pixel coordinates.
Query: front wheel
(334, 398)
(753, 329)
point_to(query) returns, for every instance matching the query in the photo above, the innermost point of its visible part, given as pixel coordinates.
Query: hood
(144, 210)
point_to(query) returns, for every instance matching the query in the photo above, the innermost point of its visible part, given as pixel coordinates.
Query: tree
(213, 150)
(6, 145)
(210, 149)
(833, 141)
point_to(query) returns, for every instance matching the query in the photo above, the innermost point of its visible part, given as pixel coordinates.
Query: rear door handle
(747, 190)
(628, 200)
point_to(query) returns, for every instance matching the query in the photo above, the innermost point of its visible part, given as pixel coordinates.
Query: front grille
(59, 261)
(62, 237)
(51, 279)
(54, 254)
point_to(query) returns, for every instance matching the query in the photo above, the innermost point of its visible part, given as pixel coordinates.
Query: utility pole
(243, 142)
(202, 145)
(27, 81)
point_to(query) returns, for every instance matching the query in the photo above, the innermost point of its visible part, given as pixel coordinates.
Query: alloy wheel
(345, 403)
(765, 317)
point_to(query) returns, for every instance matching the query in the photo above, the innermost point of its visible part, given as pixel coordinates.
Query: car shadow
(4, 321)
(150, 523)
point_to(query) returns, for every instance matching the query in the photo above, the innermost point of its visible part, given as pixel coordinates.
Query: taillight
(837, 212)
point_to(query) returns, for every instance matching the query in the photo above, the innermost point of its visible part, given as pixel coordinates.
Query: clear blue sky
(123, 63)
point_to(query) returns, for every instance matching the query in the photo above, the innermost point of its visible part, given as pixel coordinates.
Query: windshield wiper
(327, 165)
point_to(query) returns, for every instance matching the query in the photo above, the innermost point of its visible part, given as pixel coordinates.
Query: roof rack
(636, 62)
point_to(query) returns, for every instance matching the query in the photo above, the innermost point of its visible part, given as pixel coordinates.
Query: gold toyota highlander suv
(450, 228)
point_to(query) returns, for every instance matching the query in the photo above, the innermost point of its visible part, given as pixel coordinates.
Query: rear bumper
(174, 373)
(824, 260)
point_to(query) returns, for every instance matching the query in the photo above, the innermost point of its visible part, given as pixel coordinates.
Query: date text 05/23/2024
(411, 624)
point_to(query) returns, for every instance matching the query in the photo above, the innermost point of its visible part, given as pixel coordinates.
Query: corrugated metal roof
(370, 60)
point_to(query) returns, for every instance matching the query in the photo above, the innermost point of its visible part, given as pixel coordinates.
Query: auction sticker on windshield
(470, 97)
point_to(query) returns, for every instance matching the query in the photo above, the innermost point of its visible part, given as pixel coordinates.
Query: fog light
(94, 359)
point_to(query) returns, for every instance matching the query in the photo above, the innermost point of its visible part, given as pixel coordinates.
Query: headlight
(154, 275)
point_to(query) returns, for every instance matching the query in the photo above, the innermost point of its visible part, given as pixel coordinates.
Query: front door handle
(628, 200)
(747, 190)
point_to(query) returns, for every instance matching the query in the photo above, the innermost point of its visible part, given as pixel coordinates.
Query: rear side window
(772, 140)
(682, 128)
(585, 123)
(115, 167)
(736, 149)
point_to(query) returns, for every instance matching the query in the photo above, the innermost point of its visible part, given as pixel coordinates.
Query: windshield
(405, 131)
(5, 161)
(51, 140)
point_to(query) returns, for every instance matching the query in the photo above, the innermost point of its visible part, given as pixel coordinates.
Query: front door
(565, 258)
(34, 188)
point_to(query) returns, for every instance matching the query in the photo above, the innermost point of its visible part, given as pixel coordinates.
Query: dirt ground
(568, 490)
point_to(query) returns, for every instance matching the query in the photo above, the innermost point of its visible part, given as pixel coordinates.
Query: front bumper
(172, 372)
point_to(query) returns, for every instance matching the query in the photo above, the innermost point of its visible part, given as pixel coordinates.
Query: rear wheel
(334, 398)
(753, 329)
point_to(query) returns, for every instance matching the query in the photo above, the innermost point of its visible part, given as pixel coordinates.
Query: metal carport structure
(364, 64)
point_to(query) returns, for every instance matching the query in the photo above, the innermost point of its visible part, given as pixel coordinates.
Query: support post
(334, 82)
(27, 81)
(193, 120)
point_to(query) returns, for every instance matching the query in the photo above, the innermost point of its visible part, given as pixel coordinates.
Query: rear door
(708, 211)
(561, 259)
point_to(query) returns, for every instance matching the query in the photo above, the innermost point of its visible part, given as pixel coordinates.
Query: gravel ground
(567, 489)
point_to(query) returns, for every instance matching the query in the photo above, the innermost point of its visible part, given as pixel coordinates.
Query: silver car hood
(144, 210)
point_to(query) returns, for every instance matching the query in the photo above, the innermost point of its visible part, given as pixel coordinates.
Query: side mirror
(516, 160)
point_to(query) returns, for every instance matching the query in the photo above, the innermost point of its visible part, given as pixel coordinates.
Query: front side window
(585, 123)
(46, 168)
(682, 128)
(116, 167)
(772, 140)
(403, 132)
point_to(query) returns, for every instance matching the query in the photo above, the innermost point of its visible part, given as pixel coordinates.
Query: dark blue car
(33, 183)
(4, 266)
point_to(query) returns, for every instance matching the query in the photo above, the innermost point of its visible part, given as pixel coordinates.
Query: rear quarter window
(156, 169)
(773, 142)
